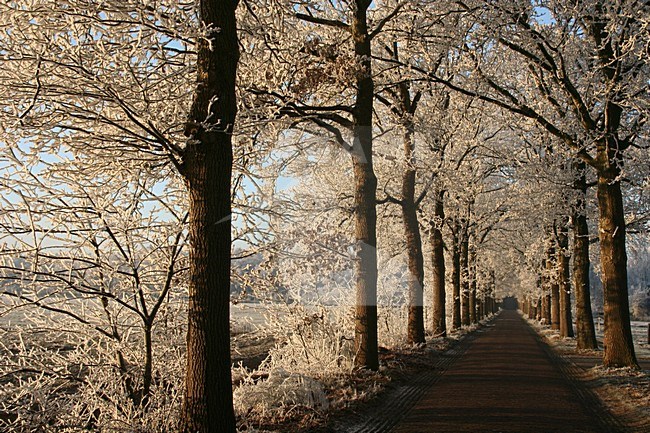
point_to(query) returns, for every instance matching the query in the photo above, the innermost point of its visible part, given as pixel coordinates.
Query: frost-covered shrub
(318, 342)
(278, 395)
(314, 349)
(56, 381)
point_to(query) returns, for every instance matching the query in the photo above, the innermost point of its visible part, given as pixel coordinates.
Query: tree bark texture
(365, 197)
(207, 167)
(208, 384)
(618, 343)
(415, 329)
(472, 286)
(438, 269)
(552, 271)
(546, 308)
(546, 289)
(492, 293)
(526, 306)
(586, 331)
(523, 306)
(464, 280)
(455, 277)
(532, 308)
(564, 273)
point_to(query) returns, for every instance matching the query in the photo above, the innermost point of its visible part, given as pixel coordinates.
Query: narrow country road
(506, 381)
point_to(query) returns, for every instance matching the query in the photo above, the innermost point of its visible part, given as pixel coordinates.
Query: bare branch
(322, 21)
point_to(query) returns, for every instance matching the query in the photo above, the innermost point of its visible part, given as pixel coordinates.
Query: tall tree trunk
(207, 167)
(619, 347)
(365, 198)
(618, 343)
(545, 290)
(208, 385)
(546, 294)
(532, 313)
(438, 268)
(551, 269)
(415, 334)
(586, 331)
(492, 293)
(526, 306)
(455, 276)
(472, 287)
(464, 266)
(566, 320)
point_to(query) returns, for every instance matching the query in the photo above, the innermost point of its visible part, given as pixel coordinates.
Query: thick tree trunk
(464, 285)
(207, 167)
(566, 320)
(208, 385)
(455, 277)
(586, 331)
(415, 334)
(619, 346)
(438, 269)
(365, 197)
(366, 349)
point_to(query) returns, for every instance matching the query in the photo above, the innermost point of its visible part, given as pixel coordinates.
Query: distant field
(248, 317)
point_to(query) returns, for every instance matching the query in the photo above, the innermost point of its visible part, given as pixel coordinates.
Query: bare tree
(112, 82)
(334, 90)
(102, 265)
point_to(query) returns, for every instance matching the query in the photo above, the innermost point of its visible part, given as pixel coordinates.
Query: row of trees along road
(501, 111)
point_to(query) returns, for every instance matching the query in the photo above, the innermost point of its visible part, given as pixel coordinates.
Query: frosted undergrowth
(314, 347)
(279, 395)
(313, 358)
(52, 381)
